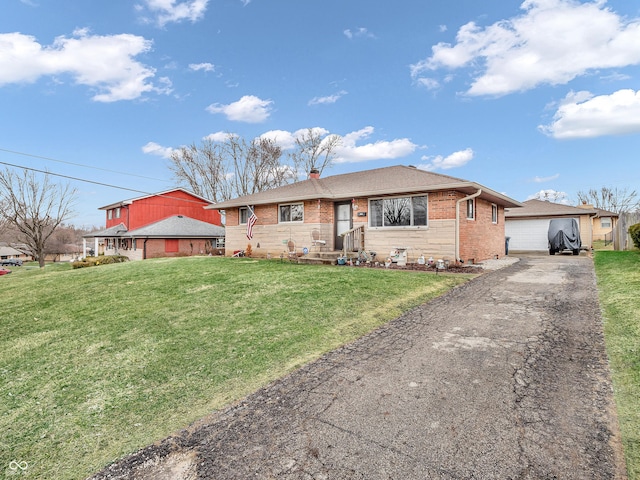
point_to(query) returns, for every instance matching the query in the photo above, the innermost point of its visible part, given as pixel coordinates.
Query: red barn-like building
(171, 223)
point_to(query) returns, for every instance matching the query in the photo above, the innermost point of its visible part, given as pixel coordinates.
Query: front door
(343, 222)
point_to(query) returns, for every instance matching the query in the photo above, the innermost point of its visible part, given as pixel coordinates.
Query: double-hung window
(291, 212)
(243, 215)
(471, 209)
(605, 222)
(398, 211)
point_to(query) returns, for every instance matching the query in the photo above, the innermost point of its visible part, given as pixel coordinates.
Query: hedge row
(101, 260)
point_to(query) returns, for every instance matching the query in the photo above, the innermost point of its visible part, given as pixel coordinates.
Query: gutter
(457, 239)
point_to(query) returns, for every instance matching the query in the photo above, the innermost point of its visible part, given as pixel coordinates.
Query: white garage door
(527, 234)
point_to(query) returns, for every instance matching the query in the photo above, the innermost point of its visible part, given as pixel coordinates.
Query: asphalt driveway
(505, 377)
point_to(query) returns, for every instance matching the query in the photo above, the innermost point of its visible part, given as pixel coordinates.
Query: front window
(117, 212)
(605, 222)
(243, 215)
(109, 214)
(470, 209)
(293, 212)
(398, 212)
(219, 242)
(494, 213)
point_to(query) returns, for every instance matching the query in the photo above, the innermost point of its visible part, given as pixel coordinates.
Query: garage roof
(543, 208)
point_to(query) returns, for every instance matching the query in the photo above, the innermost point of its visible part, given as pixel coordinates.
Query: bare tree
(256, 166)
(315, 150)
(231, 168)
(34, 208)
(617, 200)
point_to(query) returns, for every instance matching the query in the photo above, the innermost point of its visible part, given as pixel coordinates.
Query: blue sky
(522, 97)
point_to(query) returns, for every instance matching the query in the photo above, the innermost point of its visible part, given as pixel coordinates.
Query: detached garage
(527, 226)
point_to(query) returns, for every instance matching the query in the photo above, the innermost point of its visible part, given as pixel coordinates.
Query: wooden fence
(621, 238)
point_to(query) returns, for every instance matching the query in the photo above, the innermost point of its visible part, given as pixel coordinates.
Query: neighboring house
(527, 227)
(395, 208)
(603, 223)
(68, 253)
(10, 252)
(167, 224)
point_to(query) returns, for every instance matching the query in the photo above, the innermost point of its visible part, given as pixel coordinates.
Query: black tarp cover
(564, 234)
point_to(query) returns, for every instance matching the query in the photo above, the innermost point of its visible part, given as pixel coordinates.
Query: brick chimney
(314, 173)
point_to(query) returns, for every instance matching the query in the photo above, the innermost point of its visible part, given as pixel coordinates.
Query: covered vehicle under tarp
(564, 234)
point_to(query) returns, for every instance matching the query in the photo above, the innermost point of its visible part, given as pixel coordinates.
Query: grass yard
(618, 276)
(98, 362)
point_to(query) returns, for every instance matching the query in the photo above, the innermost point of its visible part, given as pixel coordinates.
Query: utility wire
(94, 182)
(78, 164)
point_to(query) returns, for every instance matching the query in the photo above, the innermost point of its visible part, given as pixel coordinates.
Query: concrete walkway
(502, 378)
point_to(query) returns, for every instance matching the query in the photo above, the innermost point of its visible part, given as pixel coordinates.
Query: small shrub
(634, 231)
(100, 260)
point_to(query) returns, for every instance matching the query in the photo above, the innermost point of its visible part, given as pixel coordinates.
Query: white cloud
(551, 196)
(349, 152)
(358, 33)
(428, 83)
(166, 11)
(153, 148)
(105, 63)
(586, 116)
(328, 99)
(207, 67)
(553, 42)
(249, 108)
(286, 140)
(546, 179)
(455, 160)
(219, 136)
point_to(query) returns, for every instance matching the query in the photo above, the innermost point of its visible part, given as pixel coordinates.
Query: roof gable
(166, 193)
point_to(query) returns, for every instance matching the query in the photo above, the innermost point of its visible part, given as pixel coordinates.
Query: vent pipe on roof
(314, 173)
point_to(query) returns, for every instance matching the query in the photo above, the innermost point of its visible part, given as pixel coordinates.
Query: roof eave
(466, 187)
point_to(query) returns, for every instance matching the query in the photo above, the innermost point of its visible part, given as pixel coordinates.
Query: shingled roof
(115, 231)
(177, 226)
(394, 180)
(543, 208)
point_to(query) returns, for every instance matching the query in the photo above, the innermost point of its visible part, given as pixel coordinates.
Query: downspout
(458, 220)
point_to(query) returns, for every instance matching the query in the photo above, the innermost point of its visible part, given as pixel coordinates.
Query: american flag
(251, 221)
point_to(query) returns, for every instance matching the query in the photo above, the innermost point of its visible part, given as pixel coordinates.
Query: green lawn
(98, 362)
(619, 286)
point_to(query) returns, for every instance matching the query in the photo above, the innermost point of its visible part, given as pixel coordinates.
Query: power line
(94, 182)
(78, 164)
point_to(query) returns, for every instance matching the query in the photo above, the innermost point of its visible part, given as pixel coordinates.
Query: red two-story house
(165, 224)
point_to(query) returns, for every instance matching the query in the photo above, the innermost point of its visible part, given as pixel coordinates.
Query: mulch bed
(455, 268)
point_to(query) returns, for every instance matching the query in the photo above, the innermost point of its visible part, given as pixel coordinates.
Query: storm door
(343, 221)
